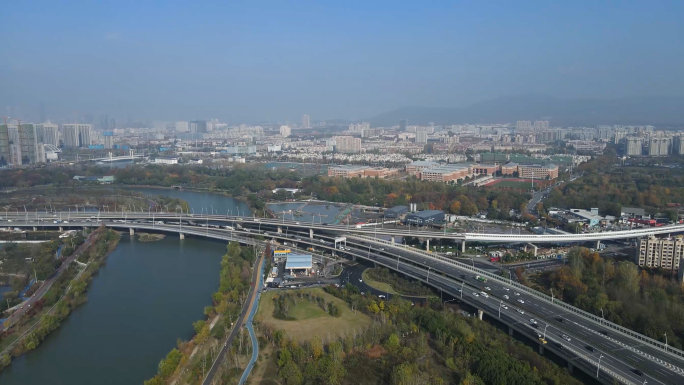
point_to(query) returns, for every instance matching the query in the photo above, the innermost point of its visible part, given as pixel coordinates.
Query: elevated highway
(621, 350)
(404, 231)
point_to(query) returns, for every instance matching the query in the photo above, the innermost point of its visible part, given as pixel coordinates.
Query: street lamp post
(462, 283)
(547, 325)
(428, 276)
(500, 303)
(598, 366)
(665, 334)
(551, 294)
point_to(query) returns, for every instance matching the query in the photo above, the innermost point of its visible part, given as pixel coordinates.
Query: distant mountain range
(659, 111)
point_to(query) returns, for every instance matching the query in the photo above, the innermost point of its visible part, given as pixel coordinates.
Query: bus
(481, 279)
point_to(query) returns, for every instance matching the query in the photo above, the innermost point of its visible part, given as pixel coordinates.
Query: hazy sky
(259, 60)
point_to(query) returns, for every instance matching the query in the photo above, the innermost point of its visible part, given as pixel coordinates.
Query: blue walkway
(26, 289)
(250, 328)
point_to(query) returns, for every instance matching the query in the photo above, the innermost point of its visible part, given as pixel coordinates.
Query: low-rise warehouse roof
(298, 261)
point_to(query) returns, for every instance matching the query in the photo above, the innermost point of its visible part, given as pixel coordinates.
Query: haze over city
(267, 62)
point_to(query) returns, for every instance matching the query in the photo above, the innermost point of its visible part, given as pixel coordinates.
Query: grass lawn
(382, 286)
(310, 319)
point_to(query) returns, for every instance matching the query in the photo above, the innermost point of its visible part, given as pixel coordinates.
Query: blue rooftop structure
(298, 261)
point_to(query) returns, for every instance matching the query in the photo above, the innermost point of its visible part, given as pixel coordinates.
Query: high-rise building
(77, 135)
(15, 154)
(306, 123)
(421, 136)
(677, 145)
(659, 146)
(541, 125)
(108, 137)
(619, 134)
(198, 127)
(4, 145)
(47, 133)
(347, 144)
(285, 131)
(523, 125)
(29, 143)
(359, 127)
(403, 123)
(633, 146)
(665, 253)
(41, 156)
(182, 126)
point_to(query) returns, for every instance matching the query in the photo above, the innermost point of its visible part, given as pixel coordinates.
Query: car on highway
(559, 319)
(542, 340)
(590, 348)
(637, 372)
(504, 306)
(381, 296)
(521, 301)
(297, 223)
(475, 294)
(488, 288)
(533, 321)
(381, 249)
(565, 337)
(604, 332)
(360, 280)
(517, 293)
(520, 311)
(507, 289)
(482, 293)
(505, 296)
(265, 233)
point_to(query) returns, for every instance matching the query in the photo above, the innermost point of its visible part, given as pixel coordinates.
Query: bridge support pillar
(510, 330)
(479, 314)
(598, 244)
(570, 367)
(535, 248)
(541, 349)
(463, 246)
(131, 231)
(280, 230)
(61, 228)
(427, 246)
(353, 257)
(311, 233)
(182, 236)
(392, 239)
(35, 228)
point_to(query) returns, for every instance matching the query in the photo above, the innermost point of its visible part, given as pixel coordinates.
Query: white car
(521, 301)
(507, 289)
(517, 293)
(381, 296)
(482, 293)
(475, 294)
(265, 233)
(533, 321)
(520, 311)
(360, 280)
(504, 306)
(565, 337)
(505, 296)
(488, 288)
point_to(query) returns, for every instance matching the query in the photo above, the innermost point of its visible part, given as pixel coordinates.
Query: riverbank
(191, 361)
(65, 294)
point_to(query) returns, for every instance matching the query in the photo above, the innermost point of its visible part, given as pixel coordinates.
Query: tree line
(406, 344)
(645, 301)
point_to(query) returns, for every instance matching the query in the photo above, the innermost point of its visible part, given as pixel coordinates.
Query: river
(200, 202)
(142, 300)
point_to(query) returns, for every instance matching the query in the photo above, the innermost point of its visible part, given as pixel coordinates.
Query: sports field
(521, 184)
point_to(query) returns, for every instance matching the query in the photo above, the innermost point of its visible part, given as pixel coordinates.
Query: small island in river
(147, 237)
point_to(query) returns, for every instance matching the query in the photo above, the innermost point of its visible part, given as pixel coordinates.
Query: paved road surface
(238, 326)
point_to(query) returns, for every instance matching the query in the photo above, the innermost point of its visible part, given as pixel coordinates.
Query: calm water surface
(144, 299)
